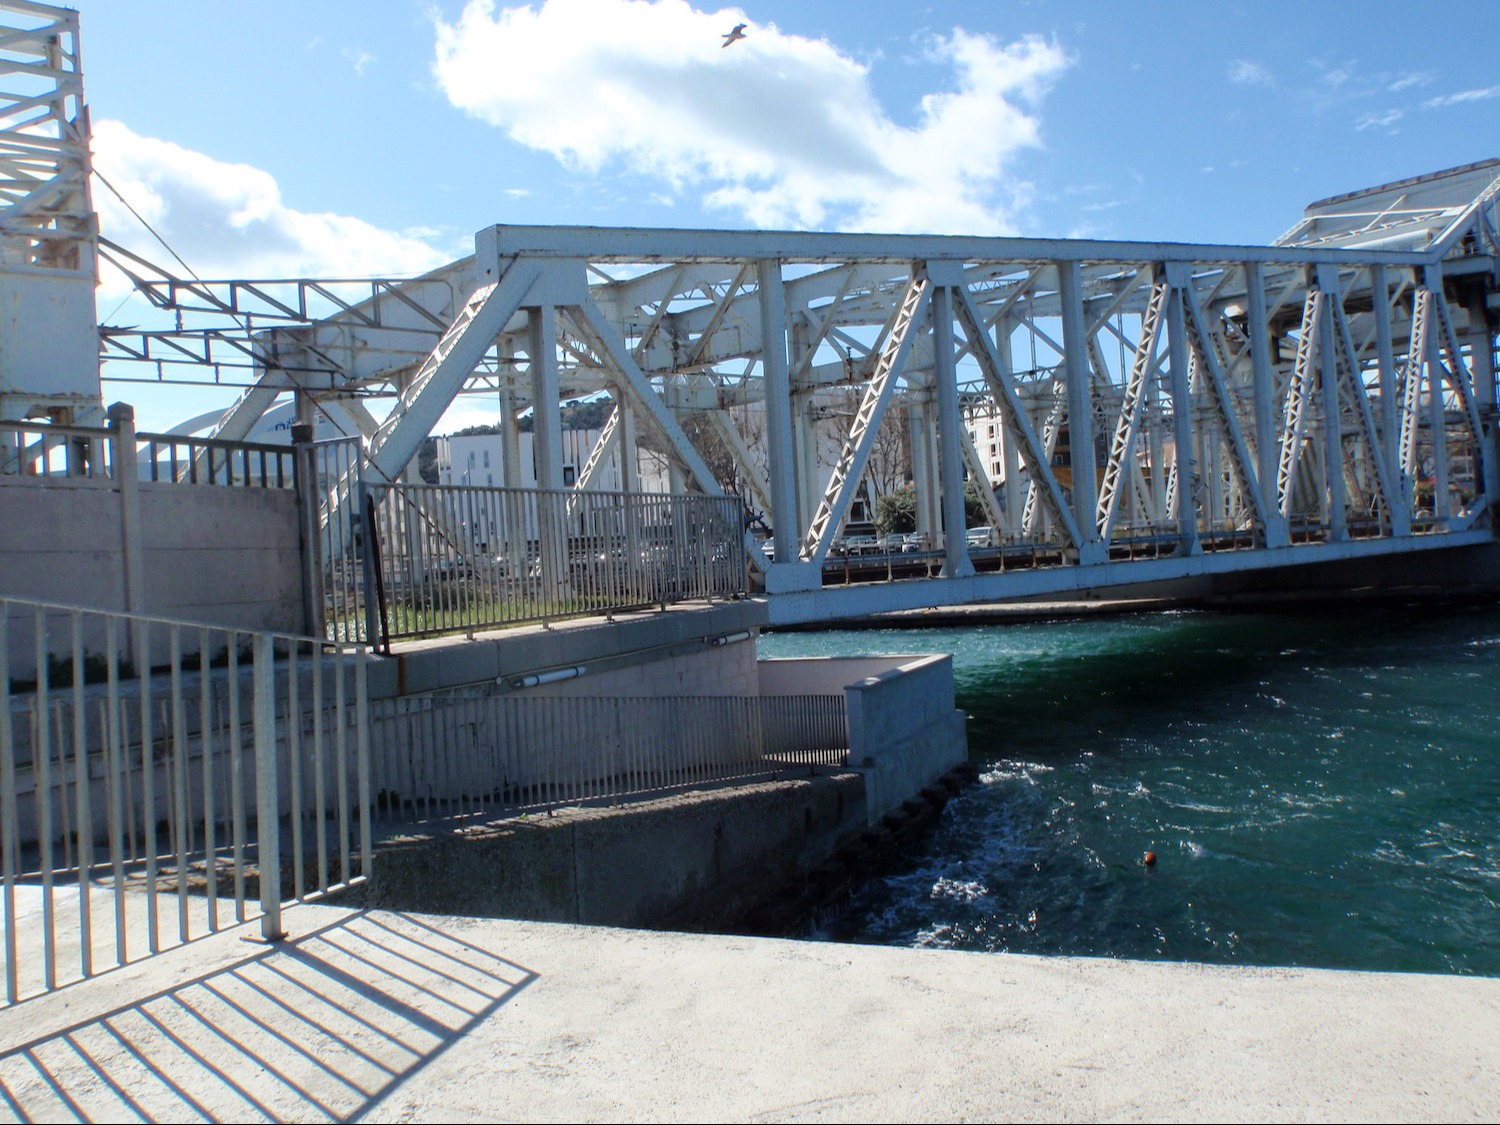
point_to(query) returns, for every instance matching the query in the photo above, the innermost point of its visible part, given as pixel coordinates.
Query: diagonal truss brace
(1033, 456)
(1208, 360)
(446, 369)
(608, 439)
(1298, 392)
(977, 471)
(1417, 363)
(1354, 388)
(593, 326)
(1052, 424)
(1456, 372)
(1122, 447)
(754, 475)
(856, 451)
(721, 308)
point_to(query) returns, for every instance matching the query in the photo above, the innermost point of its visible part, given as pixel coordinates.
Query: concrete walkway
(378, 1016)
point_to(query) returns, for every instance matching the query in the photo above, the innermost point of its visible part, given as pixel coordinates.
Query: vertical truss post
(925, 459)
(1437, 414)
(1399, 496)
(1328, 383)
(806, 460)
(1456, 372)
(1010, 435)
(546, 436)
(1080, 414)
(510, 441)
(1482, 362)
(945, 276)
(630, 470)
(546, 395)
(1353, 381)
(1183, 470)
(1263, 378)
(780, 446)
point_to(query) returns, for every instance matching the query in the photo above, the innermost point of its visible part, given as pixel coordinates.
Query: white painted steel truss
(48, 361)
(1147, 400)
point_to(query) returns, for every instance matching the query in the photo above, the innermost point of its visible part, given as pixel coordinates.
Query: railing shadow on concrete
(161, 780)
(326, 1026)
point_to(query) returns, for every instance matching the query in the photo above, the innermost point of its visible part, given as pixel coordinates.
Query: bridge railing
(184, 459)
(43, 450)
(160, 781)
(459, 559)
(485, 755)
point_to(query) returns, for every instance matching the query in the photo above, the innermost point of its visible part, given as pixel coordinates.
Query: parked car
(916, 542)
(862, 545)
(981, 537)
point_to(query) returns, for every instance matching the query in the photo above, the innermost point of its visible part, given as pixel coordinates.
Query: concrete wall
(904, 731)
(228, 556)
(691, 861)
(219, 555)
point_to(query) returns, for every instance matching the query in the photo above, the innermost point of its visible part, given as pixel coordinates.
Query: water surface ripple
(1320, 789)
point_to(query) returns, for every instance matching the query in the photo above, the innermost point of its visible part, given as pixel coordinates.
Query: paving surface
(380, 1016)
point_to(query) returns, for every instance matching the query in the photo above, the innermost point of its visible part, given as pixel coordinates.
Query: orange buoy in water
(1149, 859)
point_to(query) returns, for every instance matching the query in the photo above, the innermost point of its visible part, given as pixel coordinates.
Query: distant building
(477, 460)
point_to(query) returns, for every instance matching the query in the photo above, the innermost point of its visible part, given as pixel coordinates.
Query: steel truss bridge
(1135, 412)
(1129, 412)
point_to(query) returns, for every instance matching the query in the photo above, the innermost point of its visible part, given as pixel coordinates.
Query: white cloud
(1408, 80)
(780, 129)
(1338, 76)
(1246, 73)
(228, 220)
(359, 58)
(1378, 120)
(1461, 97)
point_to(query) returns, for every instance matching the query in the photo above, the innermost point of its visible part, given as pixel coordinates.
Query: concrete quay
(379, 1016)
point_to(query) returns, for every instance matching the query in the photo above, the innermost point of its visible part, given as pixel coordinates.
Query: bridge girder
(1291, 393)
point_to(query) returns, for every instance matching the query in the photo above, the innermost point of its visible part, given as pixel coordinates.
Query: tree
(975, 513)
(896, 512)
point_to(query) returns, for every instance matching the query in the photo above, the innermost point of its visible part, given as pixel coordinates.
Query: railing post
(367, 563)
(305, 484)
(127, 479)
(267, 787)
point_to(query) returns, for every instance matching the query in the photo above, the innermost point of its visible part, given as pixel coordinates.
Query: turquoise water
(1321, 789)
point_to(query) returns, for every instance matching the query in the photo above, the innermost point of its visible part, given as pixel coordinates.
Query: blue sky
(340, 138)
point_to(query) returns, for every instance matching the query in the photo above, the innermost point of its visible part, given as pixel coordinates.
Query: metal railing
(194, 460)
(452, 559)
(335, 586)
(40, 449)
(161, 780)
(474, 754)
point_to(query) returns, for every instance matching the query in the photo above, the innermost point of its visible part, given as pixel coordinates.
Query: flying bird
(737, 33)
